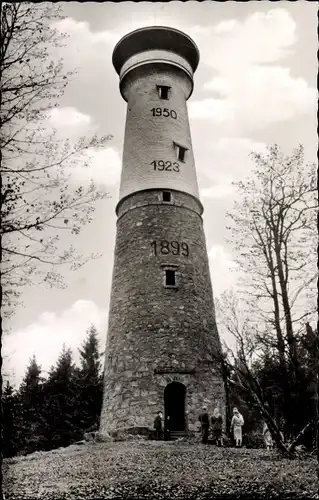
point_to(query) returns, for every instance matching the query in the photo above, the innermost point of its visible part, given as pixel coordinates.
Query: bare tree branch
(38, 201)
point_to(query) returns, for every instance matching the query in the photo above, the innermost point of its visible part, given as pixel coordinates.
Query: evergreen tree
(60, 400)
(89, 383)
(29, 418)
(8, 442)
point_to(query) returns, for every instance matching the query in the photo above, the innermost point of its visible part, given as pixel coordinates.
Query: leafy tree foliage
(39, 198)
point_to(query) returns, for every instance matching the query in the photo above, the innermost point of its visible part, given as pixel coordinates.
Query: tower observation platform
(150, 61)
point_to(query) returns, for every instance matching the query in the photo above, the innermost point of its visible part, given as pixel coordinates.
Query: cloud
(251, 90)
(92, 47)
(104, 167)
(45, 337)
(221, 264)
(219, 190)
(261, 96)
(68, 123)
(82, 42)
(226, 26)
(251, 93)
(68, 117)
(229, 161)
(237, 149)
(218, 254)
(217, 110)
(261, 37)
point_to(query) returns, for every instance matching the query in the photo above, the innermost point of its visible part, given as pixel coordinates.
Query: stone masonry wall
(153, 328)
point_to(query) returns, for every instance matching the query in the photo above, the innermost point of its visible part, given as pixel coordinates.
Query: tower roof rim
(150, 38)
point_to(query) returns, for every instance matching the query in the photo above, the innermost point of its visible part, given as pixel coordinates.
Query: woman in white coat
(236, 426)
(267, 437)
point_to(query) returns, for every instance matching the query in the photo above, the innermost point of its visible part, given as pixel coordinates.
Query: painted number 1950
(164, 112)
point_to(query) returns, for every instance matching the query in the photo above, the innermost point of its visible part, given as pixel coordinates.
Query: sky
(255, 85)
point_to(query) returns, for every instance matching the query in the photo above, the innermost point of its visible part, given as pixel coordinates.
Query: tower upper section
(156, 66)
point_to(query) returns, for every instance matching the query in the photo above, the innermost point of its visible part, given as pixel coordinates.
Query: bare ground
(157, 470)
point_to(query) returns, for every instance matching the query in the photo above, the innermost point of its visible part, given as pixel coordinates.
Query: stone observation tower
(162, 337)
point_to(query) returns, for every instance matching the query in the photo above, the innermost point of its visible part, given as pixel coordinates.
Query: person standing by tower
(167, 429)
(204, 421)
(267, 437)
(236, 425)
(158, 425)
(217, 426)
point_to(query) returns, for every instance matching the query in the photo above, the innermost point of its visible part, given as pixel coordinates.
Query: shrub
(253, 439)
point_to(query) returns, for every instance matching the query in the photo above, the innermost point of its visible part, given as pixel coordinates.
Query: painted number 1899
(165, 247)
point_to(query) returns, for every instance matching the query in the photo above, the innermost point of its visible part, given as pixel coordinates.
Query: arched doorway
(174, 404)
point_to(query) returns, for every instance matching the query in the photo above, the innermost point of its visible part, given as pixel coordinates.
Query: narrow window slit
(166, 196)
(170, 277)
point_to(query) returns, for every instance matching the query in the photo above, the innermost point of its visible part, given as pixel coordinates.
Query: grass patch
(157, 470)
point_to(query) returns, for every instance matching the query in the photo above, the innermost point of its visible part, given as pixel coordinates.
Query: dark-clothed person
(204, 421)
(217, 427)
(167, 430)
(158, 425)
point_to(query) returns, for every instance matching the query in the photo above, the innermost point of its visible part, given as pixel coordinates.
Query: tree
(60, 396)
(310, 344)
(89, 382)
(273, 232)
(29, 419)
(8, 438)
(90, 355)
(48, 413)
(40, 199)
(245, 364)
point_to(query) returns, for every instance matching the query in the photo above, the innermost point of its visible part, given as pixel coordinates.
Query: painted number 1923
(165, 165)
